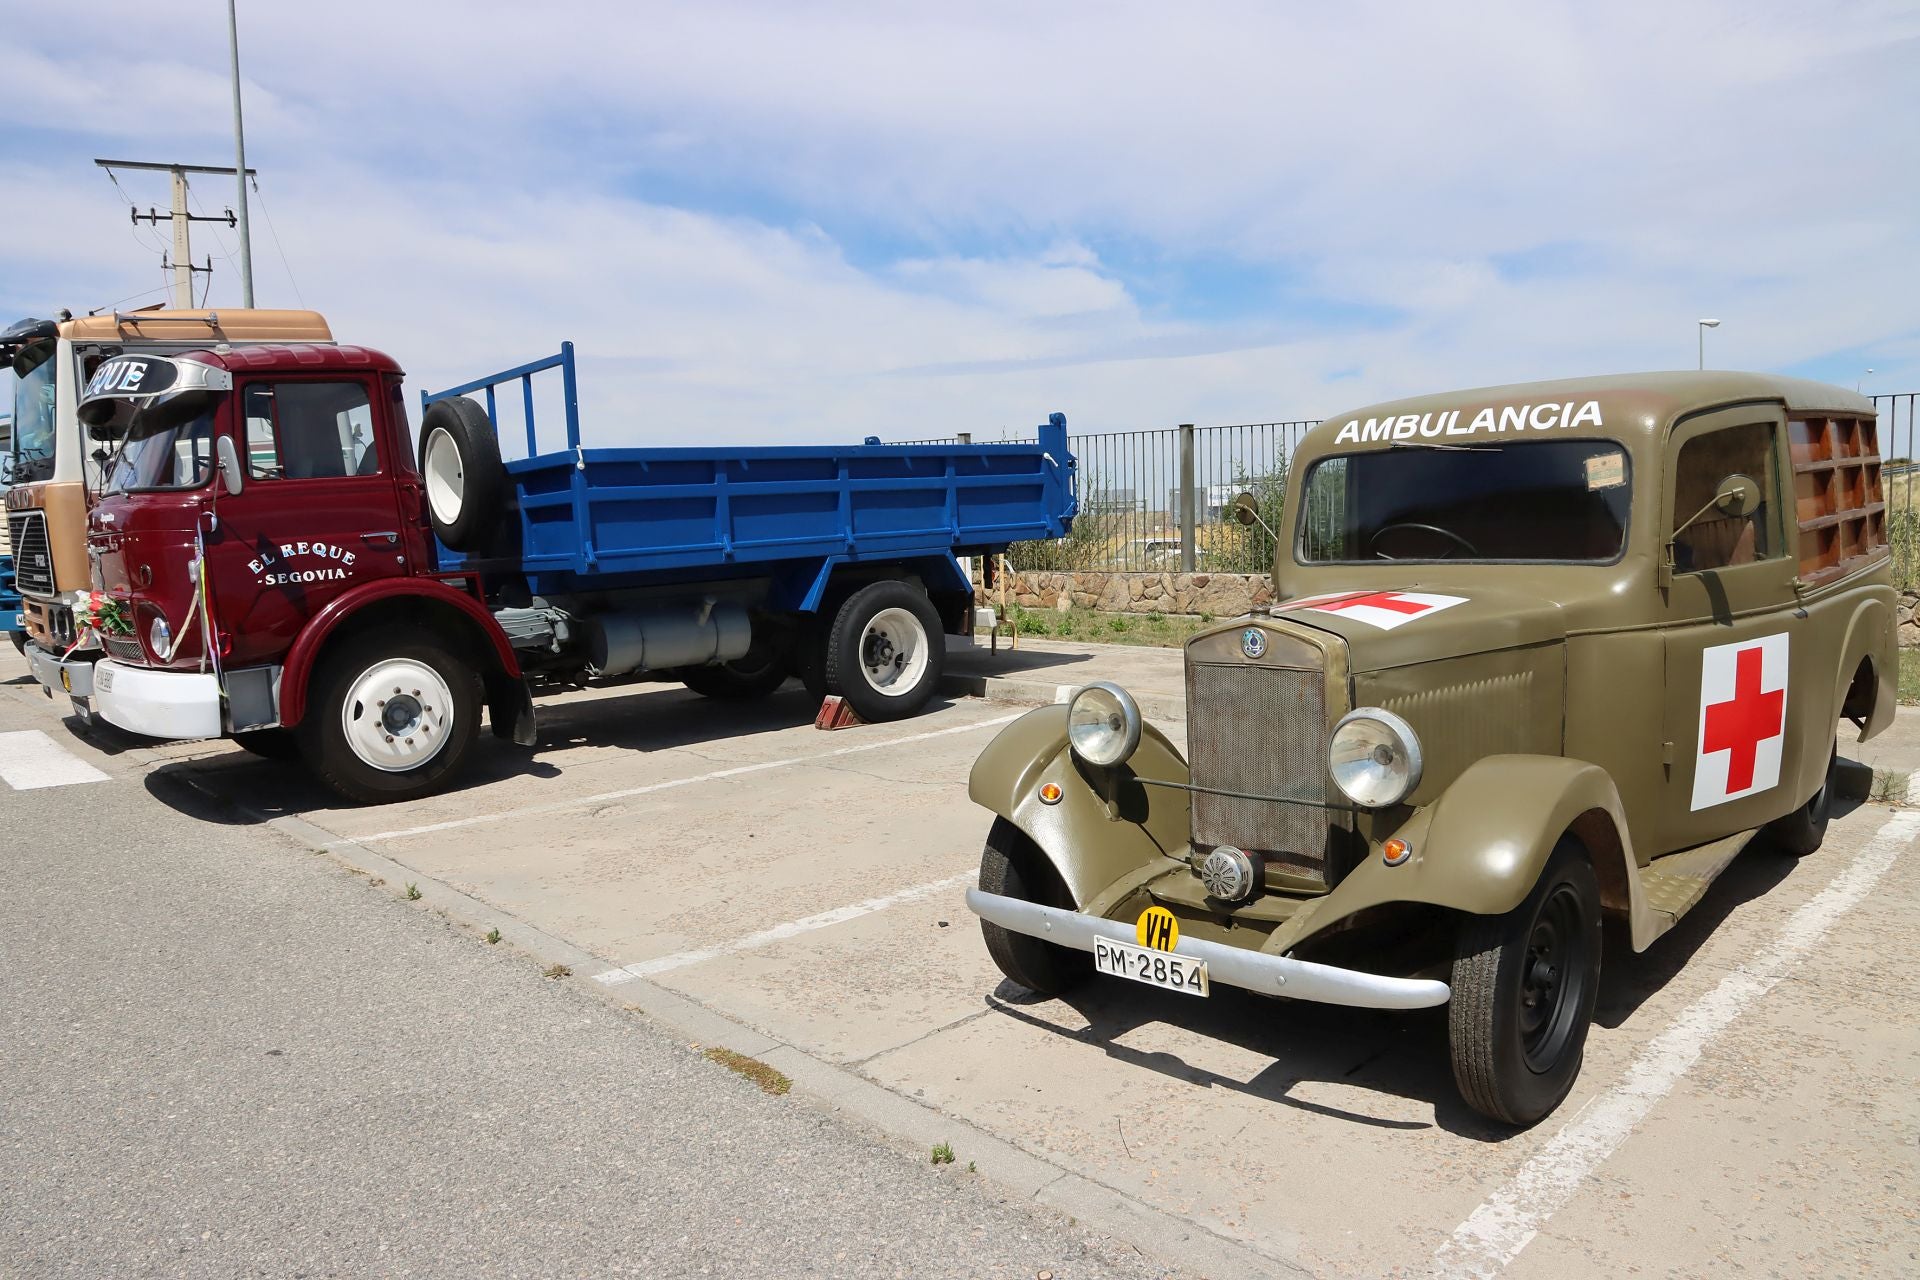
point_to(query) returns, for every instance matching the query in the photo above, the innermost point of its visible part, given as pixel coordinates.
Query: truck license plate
(1155, 968)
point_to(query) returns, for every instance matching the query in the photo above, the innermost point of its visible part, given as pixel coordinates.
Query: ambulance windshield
(1559, 501)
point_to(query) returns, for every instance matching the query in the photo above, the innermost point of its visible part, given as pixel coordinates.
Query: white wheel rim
(446, 478)
(893, 652)
(398, 715)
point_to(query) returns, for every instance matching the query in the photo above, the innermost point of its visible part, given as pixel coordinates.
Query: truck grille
(32, 559)
(1262, 731)
(127, 649)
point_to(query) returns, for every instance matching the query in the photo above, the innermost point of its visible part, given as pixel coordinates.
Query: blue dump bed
(10, 619)
(675, 513)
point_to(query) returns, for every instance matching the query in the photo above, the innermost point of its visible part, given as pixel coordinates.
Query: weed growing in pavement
(769, 1080)
(970, 1168)
(1889, 787)
(413, 892)
(943, 1153)
(559, 971)
(493, 936)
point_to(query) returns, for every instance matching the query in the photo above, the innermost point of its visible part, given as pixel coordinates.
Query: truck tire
(390, 719)
(809, 661)
(1802, 831)
(1012, 866)
(19, 639)
(886, 651)
(1524, 986)
(460, 468)
(759, 673)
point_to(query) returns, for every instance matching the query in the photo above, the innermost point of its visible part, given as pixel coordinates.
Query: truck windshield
(177, 457)
(34, 423)
(1559, 500)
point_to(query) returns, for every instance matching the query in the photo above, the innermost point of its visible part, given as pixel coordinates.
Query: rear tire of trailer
(1013, 866)
(1803, 831)
(390, 720)
(269, 744)
(1524, 986)
(460, 466)
(886, 651)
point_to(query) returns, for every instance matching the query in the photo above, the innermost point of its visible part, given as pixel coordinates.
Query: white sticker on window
(1606, 470)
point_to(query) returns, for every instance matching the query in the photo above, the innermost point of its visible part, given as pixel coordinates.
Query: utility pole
(182, 221)
(240, 161)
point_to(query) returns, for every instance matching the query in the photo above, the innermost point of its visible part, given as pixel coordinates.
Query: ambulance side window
(1717, 541)
(309, 431)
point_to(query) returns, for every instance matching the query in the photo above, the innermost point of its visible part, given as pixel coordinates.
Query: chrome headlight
(1103, 724)
(160, 638)
(1375, 757)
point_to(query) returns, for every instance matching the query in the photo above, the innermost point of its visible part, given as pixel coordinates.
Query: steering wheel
(1448, 534)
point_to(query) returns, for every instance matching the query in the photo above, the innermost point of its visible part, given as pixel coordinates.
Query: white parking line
(735, 772)
(1495, 1233)
(792, 928)
(29, 760)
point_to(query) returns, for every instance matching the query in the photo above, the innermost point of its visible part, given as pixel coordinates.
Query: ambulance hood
(1396, 627)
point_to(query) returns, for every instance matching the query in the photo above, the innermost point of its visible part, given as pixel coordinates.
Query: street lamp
(1857, 381)
(1704, 326)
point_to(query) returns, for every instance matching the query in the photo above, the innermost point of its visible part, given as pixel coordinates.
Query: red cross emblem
(1743, 719)
(1742, 723)
(1378, 600)
(1383, 609)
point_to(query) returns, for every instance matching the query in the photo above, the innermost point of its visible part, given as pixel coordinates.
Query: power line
(285, 265)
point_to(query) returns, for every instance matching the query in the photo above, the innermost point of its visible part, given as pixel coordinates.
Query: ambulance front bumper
(1236, 966)
(159, 704)
(56, 676)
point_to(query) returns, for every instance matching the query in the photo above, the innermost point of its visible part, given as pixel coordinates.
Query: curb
(1016, 691)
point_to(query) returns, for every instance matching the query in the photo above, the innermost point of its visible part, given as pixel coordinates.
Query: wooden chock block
(836, 713)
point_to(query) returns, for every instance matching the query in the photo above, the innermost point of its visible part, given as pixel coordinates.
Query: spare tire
(460, 467)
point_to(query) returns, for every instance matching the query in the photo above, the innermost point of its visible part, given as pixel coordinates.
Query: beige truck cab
(1540, 655)
(53, 471)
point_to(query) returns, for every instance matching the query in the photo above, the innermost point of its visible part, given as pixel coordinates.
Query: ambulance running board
(1673, 884)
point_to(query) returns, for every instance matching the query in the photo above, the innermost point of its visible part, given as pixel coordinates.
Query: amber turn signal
(1395, 851)
(1050, 793)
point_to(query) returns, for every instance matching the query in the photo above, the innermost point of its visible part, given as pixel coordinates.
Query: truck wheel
(809, 660)
(1012, 866)
(19, 639)
(1523, 991)
(763, 670)
(460, 465)
(1801, 832)
(885, 651)
(270, 744)
(390, 720)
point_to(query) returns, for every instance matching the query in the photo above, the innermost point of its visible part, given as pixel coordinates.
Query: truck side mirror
(231, 477)
(1738, 496)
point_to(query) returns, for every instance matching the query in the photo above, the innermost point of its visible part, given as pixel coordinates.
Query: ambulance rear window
(1562, 501)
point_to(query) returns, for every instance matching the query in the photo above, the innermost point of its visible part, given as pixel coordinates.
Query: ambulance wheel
(1802, 831)
(1524, 985)
(886, 651)
(1011, 865)
(269, 744)
(390, 720)
(460, 467)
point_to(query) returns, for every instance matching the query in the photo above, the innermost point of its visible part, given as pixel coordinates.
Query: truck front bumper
(159, 704)
(56, 676)
(1236, 966)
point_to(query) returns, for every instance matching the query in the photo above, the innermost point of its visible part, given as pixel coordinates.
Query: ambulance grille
(32, 560)
(1263, 731)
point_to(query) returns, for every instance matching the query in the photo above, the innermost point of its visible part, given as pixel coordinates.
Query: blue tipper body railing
(525, 372)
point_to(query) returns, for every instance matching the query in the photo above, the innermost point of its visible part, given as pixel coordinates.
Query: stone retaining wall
(1220, 595)
(1908, 614)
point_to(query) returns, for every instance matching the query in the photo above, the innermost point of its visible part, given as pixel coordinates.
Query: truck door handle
(388, 538)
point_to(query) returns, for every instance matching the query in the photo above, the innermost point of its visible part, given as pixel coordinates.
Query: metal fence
(1157, 500)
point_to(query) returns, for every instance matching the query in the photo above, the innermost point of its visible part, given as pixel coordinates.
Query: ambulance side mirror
(231, 477)
(1246, 510)
(1738, 496)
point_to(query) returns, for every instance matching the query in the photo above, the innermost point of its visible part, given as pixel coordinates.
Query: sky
(811, 222)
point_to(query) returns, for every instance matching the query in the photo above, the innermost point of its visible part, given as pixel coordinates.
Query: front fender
(1107, 824)
(1482, 845)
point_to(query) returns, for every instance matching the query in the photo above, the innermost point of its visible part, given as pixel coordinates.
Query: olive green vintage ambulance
(1541, 655)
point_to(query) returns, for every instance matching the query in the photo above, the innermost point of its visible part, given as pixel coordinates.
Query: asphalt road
(226, 1055)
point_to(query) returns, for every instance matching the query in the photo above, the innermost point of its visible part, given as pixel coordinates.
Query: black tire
(19, 639)
(763, 670)
(1802, 831)
(466, 485)
(323, 730)
(917, 657)
(1524, 986)
(809, 659)
(1010, 865)
(270, 744)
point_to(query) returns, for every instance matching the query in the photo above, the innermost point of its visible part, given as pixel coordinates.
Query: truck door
(318, 513)
(1732, 705)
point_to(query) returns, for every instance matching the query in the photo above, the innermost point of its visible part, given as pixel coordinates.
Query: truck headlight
(160, 638)
(1103, 724)
(1375, 757)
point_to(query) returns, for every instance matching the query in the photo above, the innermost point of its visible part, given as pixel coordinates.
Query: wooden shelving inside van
(1841, 508)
